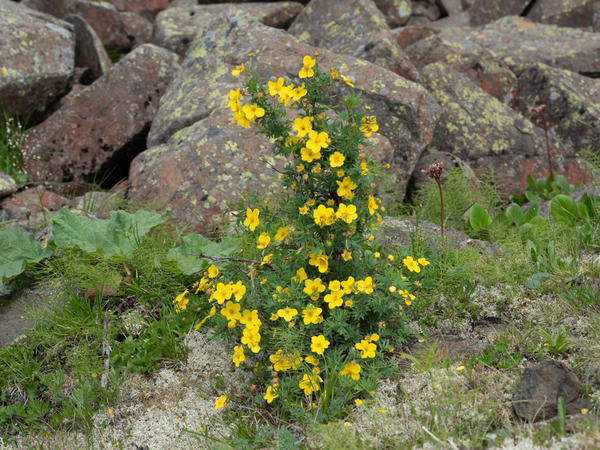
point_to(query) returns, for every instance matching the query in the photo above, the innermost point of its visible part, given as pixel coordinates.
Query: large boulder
(484, 132)
(89, 51)
(117, 30)
(352, 27)
(405, 111)
(485, 11)
(396, 12)
(100, 129)
(176, 28)
(518, 41)
(144, 8)
(564, 13)
(37, 54)
(572, 100)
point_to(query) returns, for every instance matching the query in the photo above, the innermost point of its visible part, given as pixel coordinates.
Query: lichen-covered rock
(396, 12)
(564, 13)
(406, 36)
(487, 72)
(103, 125)
(176, 28)
(487, 133)
(7, 185)
(116, 30)
(485, 11)
(451, 7)
(352, 27)
(518, 41)
(89, 51)
(144, 8)
(406, 113)
(36, 58)
(29, 208)
(572, 100)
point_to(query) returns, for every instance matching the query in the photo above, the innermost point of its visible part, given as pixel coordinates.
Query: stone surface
(518, 41)
(540, 386)
(483, 69)
(29, 208)
(176, 28)
(352, 27)
(455, 348)
(102, 127)
(485, 11)
(487, 133)
(7, 185)
(405, 111)
(406, 36)
(564, 13)
(572, 100)
(117, 30)
(36, 58)
(396, 12)
(89, 51)
(450, 7)
(144, 8)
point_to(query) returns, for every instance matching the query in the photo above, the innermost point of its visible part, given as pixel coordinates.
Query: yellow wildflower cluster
(244, 115)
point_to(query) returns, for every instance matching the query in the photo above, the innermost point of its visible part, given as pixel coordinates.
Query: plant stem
(441, 208)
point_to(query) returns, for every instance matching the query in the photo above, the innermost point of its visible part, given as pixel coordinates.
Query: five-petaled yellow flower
(252, 220)
(213, 272)
(271, 394)
(318, 344)
(307, 68)
(238, 355)
(319, 260)
(263, 241)
(302, 126)
(220, 402)
(346, 255)
(312, 315)
(346, 213)
(336, 159)
(282, 232)
(411, 264)
(352, 370)
(310, 383)
(238, 69)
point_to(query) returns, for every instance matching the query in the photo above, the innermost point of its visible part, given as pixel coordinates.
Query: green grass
(12, 131)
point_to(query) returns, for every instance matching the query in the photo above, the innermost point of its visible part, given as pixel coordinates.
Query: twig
(106, 349)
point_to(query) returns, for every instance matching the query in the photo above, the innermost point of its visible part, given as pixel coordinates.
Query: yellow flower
(334, 74)
(365, 286)
(334, 299)
(411, 264)
(324, 216)
(275, 88)
(271, 394)
(303, 210)
(238, 69)
(252, 111)
(311, 315)
(241, 118)
(263, 240)
(282, 232)
(345, 188)
(238, 290)
(369, 125)
(423, 262)
(336, 159)
(318, 344)
(231, 311)
(310, 383)
(346, 213)
(213, 272)
(349, 303)
(234, 100)
(358, 401)
(307, 68)
(222, 292)
(340, 173)
(310, 202)
(252, 220)
(346, 80)
(300, 275)
(460, 368)
(298, 92)
(250, 318)
(300, 167)
(313, 288)
(376, 254)
(211, 313)
(317, 168)
(390, 257)
(352, 370)
(238, 355)
(320, 260)
(282, 362)
(372, 205)
(309, 155)
(372, 337)
(303, 126)
(392, 289)
(181, 302)
(220, 402)
(287, 313)
(367, 348)
(346, 255)
(334, 285)
(364, 169)
(317, 141)
(348, 285)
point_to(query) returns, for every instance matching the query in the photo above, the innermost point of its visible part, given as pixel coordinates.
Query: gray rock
(564, 13)
(36, 58)
(539, 388)
(7, 185)
(89, 51)
(485, 11)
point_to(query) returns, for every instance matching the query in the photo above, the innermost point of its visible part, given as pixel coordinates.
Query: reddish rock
(518, 41)
(116, 30)
(564, 13)
(36, 59)
(176, 28)
(103, 124)
(29, 208)
(486, 133)
(144, 8)
(572, 100)
(352, 27)
(407, 36)
(89, 51)
(486, 11)
(487, 72)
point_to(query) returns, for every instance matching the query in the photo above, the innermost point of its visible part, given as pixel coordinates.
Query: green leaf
(563, 185)
(514, 213)
(533, 211)
(479, 218)
(563, 209)
(536, 280)
(193, 245)
(120, 234)
(18, 250)
(586, 207)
